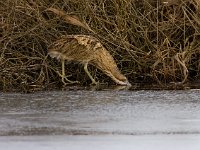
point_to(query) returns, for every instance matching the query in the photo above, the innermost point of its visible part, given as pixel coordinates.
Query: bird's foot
(66, 81)
(94, 83)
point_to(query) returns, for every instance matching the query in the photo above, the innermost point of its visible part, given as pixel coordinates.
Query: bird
(86, 49)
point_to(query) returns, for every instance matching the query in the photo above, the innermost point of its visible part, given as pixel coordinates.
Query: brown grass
(152, 41)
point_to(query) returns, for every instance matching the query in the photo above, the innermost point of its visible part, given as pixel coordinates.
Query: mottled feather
(87, 49)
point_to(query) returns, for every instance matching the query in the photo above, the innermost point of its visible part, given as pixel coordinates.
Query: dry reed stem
(144, 37)
(181, 59)
(74, 20)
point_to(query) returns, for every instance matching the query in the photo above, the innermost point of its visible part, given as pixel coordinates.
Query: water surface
(105, 119)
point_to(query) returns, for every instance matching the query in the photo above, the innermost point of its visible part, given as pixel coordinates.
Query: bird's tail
(55, 54)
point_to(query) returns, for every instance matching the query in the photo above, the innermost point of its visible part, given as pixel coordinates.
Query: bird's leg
(88, 73)
(64, 78)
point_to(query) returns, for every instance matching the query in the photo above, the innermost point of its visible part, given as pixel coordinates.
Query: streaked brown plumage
(86, 50)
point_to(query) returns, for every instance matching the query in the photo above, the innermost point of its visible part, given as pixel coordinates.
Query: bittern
(86, 50)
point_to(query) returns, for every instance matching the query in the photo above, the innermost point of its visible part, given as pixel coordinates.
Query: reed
(151, 40)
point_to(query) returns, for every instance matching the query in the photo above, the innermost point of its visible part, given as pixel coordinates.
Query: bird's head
(118, 77)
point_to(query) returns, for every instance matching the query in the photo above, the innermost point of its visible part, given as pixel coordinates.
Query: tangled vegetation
(153, 41)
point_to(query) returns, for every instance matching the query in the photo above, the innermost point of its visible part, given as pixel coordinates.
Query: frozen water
(157, 120)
